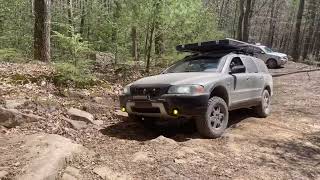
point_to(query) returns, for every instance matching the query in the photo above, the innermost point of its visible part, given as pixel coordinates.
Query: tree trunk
(134, 38)
(295, 50)
(316, 49)
(311, 18)
(70, 14)
(240, 22)
(116, 16)
(220, 19)
(150, 47)
(83, 18)
(246, 21)
(234, 31)
(42, 27)
(158, 39)
(271, 24)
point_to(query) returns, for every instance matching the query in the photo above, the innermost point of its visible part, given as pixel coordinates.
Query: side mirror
(262, 52)
(238, 69)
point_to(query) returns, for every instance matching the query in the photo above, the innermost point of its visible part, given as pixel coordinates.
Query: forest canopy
(148, 30)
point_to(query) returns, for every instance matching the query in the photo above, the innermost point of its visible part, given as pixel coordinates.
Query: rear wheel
(272, 64)
(264, 108)
(215, 121)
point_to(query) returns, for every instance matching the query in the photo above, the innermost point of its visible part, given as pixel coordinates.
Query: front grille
(152, 92)
(146, 110)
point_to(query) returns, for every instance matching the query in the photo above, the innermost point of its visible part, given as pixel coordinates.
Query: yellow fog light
(123, 109)
(175, 112)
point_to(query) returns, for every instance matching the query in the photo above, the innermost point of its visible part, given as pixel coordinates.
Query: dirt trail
(285, 145)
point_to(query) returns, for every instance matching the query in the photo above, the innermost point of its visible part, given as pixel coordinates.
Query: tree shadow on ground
(179, 130)
(297, 156)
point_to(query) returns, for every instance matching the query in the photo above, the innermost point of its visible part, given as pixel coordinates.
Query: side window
(261, 66)
(250, 65)
(236, 61)
(257, 50)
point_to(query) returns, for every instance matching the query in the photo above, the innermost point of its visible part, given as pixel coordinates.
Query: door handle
(248, 78)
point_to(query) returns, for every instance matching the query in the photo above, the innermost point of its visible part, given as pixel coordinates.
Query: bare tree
(311, 18)
(42, 27)
(246, 21)
(295, 50)
(240, 21)
(271, 23)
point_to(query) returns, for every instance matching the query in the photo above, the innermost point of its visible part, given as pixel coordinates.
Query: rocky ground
(54, 133)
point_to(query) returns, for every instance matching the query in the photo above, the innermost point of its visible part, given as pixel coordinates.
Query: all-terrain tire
(272, 63)
(264, 108)
(208, 125)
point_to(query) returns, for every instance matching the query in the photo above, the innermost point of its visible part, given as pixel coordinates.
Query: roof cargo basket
(218, 46)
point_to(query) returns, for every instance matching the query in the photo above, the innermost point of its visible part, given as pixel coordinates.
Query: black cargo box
(218, 46)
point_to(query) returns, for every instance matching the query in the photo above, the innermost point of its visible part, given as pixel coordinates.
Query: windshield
(200, 64)
(268, 50)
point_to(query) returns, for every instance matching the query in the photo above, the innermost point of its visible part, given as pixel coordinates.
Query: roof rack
(224, 46)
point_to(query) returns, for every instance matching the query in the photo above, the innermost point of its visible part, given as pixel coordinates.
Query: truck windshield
(201, 64)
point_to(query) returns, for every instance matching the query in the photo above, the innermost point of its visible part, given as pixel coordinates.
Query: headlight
(186, 89)
(126, 90)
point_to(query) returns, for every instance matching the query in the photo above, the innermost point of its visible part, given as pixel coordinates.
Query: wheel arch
(268, 88)
(221, 92)
(272, 59)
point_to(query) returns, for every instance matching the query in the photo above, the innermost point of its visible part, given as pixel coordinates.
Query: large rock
(104, 59)
(3, 174)
(142, 157)
(13, 104)
(76, 124)
(107, 174)
(10, 118)
(71, 173)
(164, 141)
(51, 153)
(120, 113)
(79, 115)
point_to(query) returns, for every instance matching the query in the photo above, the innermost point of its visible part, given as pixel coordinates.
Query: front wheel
(264, 108)
(272, 64)
(215, 121)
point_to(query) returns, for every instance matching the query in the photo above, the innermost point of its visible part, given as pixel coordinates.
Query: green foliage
(11, 55)
(16, 26)
(73, 67)
(74, 76)
(105, 26)
(73, 46)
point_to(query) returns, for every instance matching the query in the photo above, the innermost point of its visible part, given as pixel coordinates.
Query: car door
(240, 86)
(255, 81)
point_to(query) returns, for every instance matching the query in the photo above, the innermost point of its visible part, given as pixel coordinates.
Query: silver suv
(204, 87)
(271, 58)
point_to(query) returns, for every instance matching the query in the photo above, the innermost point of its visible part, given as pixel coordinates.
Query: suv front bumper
(282, 61)
(188, 106)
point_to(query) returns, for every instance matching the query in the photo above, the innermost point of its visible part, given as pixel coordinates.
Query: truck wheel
(215, 121)
(272, 64)
(264, 108)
